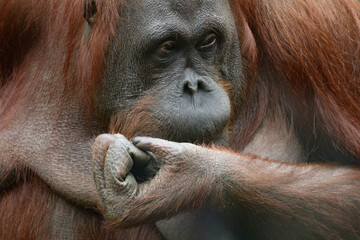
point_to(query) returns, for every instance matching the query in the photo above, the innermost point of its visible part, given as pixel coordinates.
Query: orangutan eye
(166, 48)
(209, 41)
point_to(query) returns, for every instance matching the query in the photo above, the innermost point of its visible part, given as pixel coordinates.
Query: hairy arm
(292, 200)
(308, 200)
(60, 156)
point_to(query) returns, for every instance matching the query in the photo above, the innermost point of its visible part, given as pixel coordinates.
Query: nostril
(190, 87)
(201, 85)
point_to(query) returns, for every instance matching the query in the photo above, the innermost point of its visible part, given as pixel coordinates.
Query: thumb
(160, 148)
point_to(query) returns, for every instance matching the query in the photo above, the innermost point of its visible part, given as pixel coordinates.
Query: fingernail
(136, 140)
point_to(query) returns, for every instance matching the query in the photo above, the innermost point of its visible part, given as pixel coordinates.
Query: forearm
(315, 198)
(66, 168)
(287, 201)
(69, 173)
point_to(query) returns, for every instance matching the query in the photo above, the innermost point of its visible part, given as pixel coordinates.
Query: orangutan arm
(293, 200)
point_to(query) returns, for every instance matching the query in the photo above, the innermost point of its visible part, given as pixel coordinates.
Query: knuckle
(122, 142)
(103, 138)
(118, 160)
(117, 147)
(101, 144)
(120, 137)
(187, 145)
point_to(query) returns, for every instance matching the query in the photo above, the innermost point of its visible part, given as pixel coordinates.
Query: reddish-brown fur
(324, 34)
(326, 69)
(27, 204)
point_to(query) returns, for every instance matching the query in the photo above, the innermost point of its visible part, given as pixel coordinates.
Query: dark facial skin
(168, 62)
(179, 53)
(54, 173)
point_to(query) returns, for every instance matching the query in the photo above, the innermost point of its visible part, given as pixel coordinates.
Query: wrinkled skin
(114, 156)
(121, 193)
(179, 91)
(183, 62)
(168, 74)
(186, 97)
(174, 74)
(191, 177)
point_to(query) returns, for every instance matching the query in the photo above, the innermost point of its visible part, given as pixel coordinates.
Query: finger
(99, 150)
(100, 147)
(130, 184)
(117, 168)
(151, 169)
(98, 175)
(141, 158)
(118, 160)
(159, 147)
(150, 144)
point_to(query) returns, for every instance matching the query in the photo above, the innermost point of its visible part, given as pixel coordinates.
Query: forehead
(178, 13)
(186, 8)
